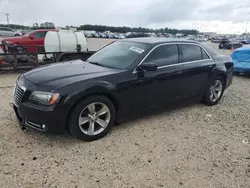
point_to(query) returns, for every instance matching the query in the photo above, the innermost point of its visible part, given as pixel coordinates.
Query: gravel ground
(190, 146)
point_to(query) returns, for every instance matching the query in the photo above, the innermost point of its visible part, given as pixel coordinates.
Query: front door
(153, 89)
(168, 79)
(36, 41)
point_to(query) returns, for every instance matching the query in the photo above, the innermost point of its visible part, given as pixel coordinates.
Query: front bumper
(52, 120)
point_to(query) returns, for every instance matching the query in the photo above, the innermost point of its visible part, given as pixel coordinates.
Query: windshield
(118, 55)
(29, 33)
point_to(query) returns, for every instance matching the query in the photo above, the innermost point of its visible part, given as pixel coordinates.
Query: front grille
(18, 94)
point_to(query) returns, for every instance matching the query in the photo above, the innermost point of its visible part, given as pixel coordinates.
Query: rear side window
(204, 54)
(164, 55)
(5, 29)
(190, 53)
(8, 29)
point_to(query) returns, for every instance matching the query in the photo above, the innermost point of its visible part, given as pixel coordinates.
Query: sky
(223, 16)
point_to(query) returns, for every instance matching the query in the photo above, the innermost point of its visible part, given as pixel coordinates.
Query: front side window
(29, 33)
(119, 55)
(190, 53)
(164, 55)
(40, 34)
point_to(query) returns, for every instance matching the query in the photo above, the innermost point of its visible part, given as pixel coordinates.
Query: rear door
(197, 64)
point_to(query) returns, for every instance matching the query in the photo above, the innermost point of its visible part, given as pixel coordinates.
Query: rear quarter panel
(224, 67)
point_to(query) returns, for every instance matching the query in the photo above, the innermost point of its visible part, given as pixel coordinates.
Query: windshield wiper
(95, 63)
(99, 64)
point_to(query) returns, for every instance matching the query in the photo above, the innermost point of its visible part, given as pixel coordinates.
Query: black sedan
(226, 44)
(125, 78)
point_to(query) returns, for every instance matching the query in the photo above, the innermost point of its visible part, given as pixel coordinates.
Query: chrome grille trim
(19, 91)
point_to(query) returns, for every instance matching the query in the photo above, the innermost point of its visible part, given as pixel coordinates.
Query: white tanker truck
(69, 45)
(58, 46)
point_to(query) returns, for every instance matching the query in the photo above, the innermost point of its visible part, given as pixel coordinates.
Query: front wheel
(214, 91)
(92, 118)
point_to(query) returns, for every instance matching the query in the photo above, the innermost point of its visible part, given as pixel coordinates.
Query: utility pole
(7, 16)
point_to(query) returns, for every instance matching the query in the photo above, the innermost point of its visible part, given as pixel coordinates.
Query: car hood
(15, 39)
(62, 73)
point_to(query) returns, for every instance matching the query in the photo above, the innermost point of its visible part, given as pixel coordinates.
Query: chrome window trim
(182, 63)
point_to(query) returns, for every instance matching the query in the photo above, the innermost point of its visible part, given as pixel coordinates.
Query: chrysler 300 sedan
(127, 77)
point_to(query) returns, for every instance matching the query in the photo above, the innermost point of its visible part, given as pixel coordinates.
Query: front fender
(81, 91)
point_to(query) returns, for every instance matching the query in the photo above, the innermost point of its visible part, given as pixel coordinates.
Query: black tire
(74, 128)
(17, 35)
(206, 97)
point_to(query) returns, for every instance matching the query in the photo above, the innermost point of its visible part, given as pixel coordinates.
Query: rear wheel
(214, 91)
(92, 118)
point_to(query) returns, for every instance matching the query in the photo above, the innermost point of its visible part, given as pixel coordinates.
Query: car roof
(5, 27)
(152, 40)
(46, 30)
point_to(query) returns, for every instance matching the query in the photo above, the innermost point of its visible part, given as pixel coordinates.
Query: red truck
(34, 39)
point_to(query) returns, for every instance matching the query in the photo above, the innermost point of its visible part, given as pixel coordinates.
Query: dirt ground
(194, 146)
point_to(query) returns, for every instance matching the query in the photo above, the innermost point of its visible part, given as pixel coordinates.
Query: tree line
(45, 25)
(102, 28)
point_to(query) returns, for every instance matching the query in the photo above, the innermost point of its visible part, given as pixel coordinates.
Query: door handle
(179, 72)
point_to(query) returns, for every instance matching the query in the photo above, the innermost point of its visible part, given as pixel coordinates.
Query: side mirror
(147, 67)
(31, 37)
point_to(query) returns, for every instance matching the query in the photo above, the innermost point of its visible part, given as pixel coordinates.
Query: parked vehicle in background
(88, 35)
(123, 79)
(102, 35)
(95, 35)
(241, 60)
(121, 36)
(244, 41)
(215, 39)
(226, 44)
(7, 32)
(35, 39)
(58, 46)
(19, 33)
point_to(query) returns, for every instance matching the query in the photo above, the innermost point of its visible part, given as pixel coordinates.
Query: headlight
(44, 98)
(7, 42)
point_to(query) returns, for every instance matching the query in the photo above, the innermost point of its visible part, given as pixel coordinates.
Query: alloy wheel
(216, 90)
(94, 118)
